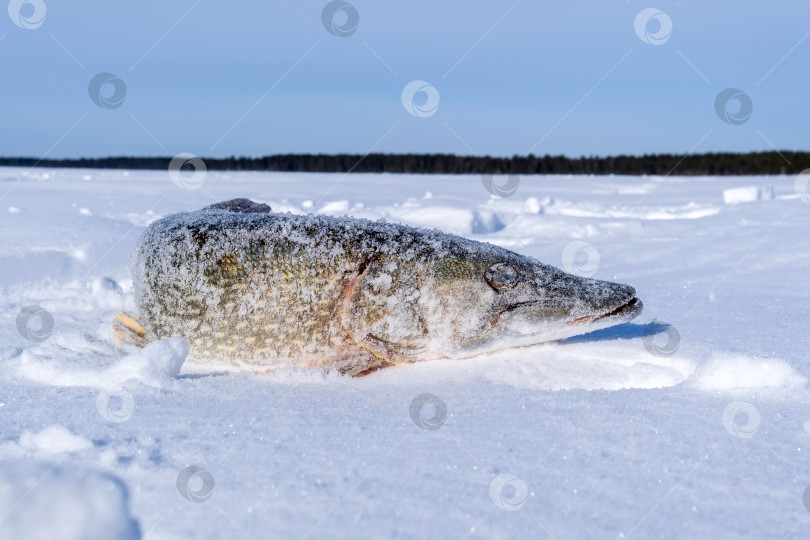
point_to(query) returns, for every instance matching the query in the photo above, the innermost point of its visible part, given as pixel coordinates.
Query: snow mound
(727, 371)
(39, 500)
(108, 293)
(690, 210)
(636, 189)
(581, 363)
(589, 366)
(336, 208)
(55, 439)
(449, 219)
(486, 221)
(748, 194)
(142, 219)
(52, 363)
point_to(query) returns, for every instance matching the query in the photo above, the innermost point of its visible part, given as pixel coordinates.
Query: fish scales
(249, 287)
(256, 281)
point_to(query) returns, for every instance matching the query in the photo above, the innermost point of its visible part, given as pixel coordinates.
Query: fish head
(505, 300)
(468, 303)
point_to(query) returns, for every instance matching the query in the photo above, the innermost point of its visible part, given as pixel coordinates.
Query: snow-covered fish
(257, 289)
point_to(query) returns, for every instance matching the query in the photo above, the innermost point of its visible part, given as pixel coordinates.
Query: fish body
(252, 288)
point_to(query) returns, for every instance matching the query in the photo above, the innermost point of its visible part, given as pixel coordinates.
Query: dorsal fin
(245, 206)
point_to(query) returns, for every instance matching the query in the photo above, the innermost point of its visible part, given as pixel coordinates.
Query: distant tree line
(655, 164)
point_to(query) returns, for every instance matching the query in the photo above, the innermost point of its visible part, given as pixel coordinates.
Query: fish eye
(502, 276)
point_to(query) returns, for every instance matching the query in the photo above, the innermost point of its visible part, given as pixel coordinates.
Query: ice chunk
(748, 194)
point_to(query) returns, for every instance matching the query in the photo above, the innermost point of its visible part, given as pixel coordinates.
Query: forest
(776, 162)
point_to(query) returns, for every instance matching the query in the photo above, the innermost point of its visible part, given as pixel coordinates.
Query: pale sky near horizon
(256, 78)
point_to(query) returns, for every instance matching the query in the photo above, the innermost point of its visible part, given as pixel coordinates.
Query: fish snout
(602, 300)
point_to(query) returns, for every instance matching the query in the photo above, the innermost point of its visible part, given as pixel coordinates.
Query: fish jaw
(577, 306)
(621, 314)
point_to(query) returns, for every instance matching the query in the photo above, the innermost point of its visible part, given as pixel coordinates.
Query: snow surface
(690, 421)
(40, 501)
(748, 194)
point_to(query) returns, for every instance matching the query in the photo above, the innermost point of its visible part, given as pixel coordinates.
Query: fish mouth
(627, 311)
(523, 333)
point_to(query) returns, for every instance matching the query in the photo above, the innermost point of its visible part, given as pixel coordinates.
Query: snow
(40, 500)
(734, 371)
(690, 421)
(54, 439)
(748, 194)
(156, 365)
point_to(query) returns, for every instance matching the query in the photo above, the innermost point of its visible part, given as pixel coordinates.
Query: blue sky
(256, 78)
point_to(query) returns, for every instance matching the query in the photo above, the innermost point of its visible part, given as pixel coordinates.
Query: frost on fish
(254, 288)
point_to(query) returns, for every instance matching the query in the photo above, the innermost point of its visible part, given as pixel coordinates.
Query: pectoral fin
(129, 329)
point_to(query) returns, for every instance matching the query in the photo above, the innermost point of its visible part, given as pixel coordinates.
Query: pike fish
(262, 290)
